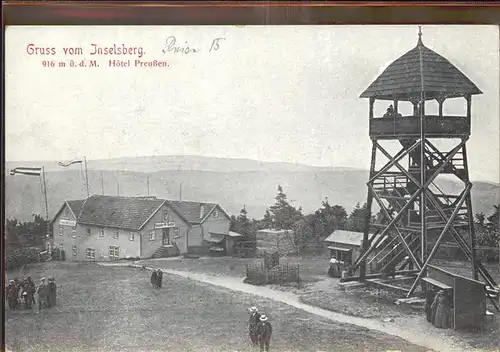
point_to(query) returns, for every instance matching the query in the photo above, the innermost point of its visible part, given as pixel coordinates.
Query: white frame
(61, 230)
(152, 235)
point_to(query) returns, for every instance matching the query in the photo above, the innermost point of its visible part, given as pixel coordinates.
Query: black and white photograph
(252, 188)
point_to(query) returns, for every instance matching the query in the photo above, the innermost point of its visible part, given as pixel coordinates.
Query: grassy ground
(115, 309)
(319, 290)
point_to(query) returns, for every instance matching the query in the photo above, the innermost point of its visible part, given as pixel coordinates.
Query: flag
(75, 161)
(31, 171)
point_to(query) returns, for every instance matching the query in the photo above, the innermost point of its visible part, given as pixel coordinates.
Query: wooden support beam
(369, 200)
(393, 160)
(465, 193)
(375, 276)
(400, 235)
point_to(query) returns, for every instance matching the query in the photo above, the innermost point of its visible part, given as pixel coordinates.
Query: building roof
(133, 212)
(345, 237)
(274, 232)
(192, 210)
(402, 79)
(75, 206)
(120, 212)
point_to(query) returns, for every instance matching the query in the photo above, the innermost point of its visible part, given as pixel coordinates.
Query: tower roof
(402, 79)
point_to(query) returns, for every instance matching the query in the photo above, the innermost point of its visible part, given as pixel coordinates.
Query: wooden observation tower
(416, 214)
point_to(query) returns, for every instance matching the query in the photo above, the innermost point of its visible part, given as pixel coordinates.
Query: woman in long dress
(441, 308)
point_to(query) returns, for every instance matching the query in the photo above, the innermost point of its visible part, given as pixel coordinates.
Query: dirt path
(412, 330)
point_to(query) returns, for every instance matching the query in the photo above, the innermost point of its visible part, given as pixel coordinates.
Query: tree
(36, 229)
(356, 220)
(283, 214)
(480, 219)
(247, 243)
(494, 218)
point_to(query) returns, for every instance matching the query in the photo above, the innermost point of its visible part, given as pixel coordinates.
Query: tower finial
(420, 36)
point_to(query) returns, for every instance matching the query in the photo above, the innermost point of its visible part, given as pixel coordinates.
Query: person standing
(429, 298)
(264, 332)
(51, 292)
(252, 324)
(12, 295)
(159, 277)
(42, 294)
(442, 309)
(33, 289)
(154, 278)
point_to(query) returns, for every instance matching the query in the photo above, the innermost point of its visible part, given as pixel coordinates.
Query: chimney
(202, 211)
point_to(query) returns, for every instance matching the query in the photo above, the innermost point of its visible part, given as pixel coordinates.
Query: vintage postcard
(252, 188)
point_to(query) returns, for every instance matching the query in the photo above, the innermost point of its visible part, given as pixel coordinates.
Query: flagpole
(86, 176)
(46, 201)
(102, 183)
(148, 184)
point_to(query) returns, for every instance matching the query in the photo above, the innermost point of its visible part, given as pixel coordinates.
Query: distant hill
(150, 164)
(230, 182)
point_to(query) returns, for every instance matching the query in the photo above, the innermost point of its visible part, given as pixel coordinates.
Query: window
(216, 213)
(61, 246)
(73, 232)
(101, 232)
(90, 253)
(152, 235)
(116, 234)
(131, 236)
(61, 230)
(88, 231)
(114, 252)
(75, 251)
(177, 233)
(165, 216)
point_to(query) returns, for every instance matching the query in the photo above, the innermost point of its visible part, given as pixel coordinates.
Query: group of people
(438, 308)
(260, 329)
(22, 293)
(156, 278)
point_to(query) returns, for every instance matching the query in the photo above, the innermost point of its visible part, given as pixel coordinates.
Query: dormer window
(116, 234)
(88, 231)
(216, 213)
(165, 216)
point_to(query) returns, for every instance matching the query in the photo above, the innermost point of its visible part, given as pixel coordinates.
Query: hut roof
(402, 79)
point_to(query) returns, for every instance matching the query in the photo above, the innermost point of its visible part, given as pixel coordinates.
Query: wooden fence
(258, 274)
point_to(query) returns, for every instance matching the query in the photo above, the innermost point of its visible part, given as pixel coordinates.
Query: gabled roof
(74, 205)
(120, 212)
(192, 210)
(345, 237)
(402, 78)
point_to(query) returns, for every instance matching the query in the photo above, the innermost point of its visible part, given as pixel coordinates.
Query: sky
(270, 93)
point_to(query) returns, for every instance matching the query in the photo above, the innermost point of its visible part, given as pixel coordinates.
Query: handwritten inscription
(172, 45)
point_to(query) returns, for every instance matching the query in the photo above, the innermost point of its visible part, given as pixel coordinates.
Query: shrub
(15, 258)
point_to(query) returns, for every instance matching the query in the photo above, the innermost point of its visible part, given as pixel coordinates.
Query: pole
(423, 218)
(118, 188)
(46, 201)
(180, 192)
(86, 177)
(102, 183)
(147, 177)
